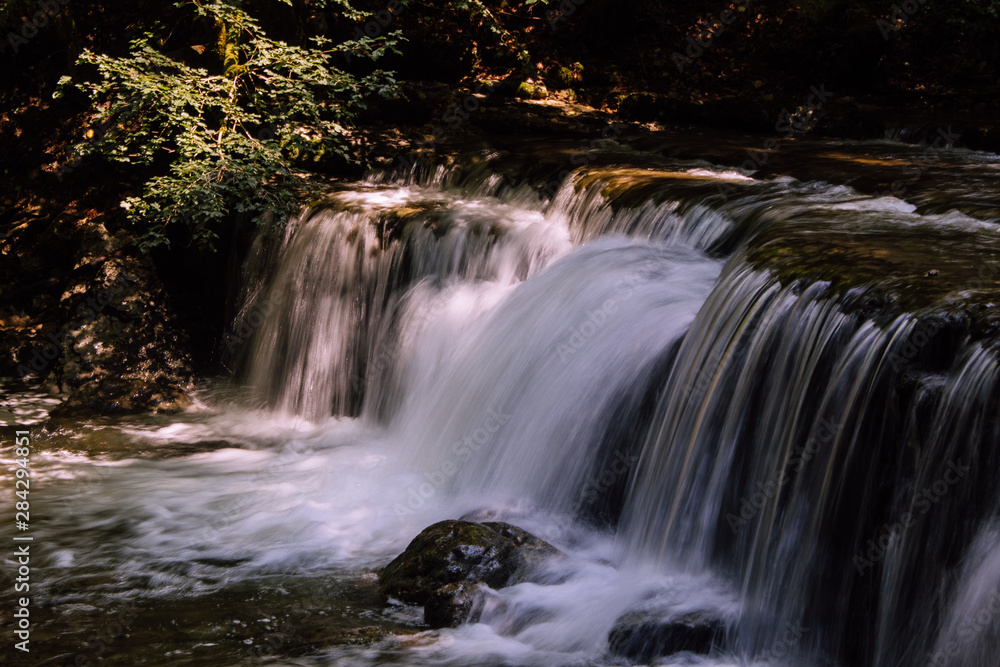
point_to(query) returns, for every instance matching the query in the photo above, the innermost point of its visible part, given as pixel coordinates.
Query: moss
(461, 552)
(887, 272)
(445, 553)
(531, 91)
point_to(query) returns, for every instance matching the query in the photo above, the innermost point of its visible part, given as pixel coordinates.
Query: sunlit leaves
(238, 140)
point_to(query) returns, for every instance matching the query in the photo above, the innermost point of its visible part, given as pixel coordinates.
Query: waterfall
(615, 356)
(556, 341)
(941, 570)
(339, 284)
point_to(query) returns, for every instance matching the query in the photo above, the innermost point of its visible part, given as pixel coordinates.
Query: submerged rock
(446, 565)
(643, 635)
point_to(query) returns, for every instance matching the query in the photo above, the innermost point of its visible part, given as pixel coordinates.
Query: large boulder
(119, 351)
(532, 552)
(646, 634)
(88, 319)
(449, 552)
(448, 565)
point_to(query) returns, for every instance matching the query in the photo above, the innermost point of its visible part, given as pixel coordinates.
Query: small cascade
(585, 339)
(338, 285)
(749, 466)
(321, 298)
(940, 545)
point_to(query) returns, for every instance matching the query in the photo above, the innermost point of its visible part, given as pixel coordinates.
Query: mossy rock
(447, 565)
(532, 91)
(449, 552)
(532, 552)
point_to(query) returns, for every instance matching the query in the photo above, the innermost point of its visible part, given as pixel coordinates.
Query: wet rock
(454, 604)
(446, 553)
(120, 352)
(642, 107)
(646, 634)
(532, 552)
(89, 320)
(446, 565)
(364, 636)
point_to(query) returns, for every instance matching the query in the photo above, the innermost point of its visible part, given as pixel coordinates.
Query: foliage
(232, 141)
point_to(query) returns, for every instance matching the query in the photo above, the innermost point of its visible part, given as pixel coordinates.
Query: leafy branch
(240, 140)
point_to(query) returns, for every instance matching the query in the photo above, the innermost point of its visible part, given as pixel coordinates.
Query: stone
(449, 552)
(531, 91)
(454, 604)
(532, 552)
(107, 340)
(646, 634)
(450, 567)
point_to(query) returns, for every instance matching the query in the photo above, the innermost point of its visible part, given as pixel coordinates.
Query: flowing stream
(770, 399)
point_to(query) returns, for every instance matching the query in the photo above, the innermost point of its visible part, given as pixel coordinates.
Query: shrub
(237, 140)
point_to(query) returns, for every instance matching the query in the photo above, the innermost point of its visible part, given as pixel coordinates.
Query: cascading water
(747, 468)
(616, 369)
(340, 272)
(556, 341)
(757, 464)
